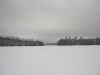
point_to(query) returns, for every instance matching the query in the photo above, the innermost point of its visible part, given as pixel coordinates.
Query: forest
(16, 41)
(80, 41)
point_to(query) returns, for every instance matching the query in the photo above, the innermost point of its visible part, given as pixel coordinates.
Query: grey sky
(49, 20)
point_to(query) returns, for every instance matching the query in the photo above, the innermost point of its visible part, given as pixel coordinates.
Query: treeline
(80, 41)
(16, 41)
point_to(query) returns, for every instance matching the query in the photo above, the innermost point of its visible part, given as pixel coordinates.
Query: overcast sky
(50, 20)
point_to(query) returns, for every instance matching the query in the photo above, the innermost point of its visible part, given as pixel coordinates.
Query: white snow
(50, 60)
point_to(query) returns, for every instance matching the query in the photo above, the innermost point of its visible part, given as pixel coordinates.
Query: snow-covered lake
(50, 60)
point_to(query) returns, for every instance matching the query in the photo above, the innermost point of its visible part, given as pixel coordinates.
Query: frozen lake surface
(50, 60)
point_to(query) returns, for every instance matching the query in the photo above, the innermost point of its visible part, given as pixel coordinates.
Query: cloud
(49, 20)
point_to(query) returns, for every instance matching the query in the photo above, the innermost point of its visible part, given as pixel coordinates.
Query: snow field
(50, 60)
